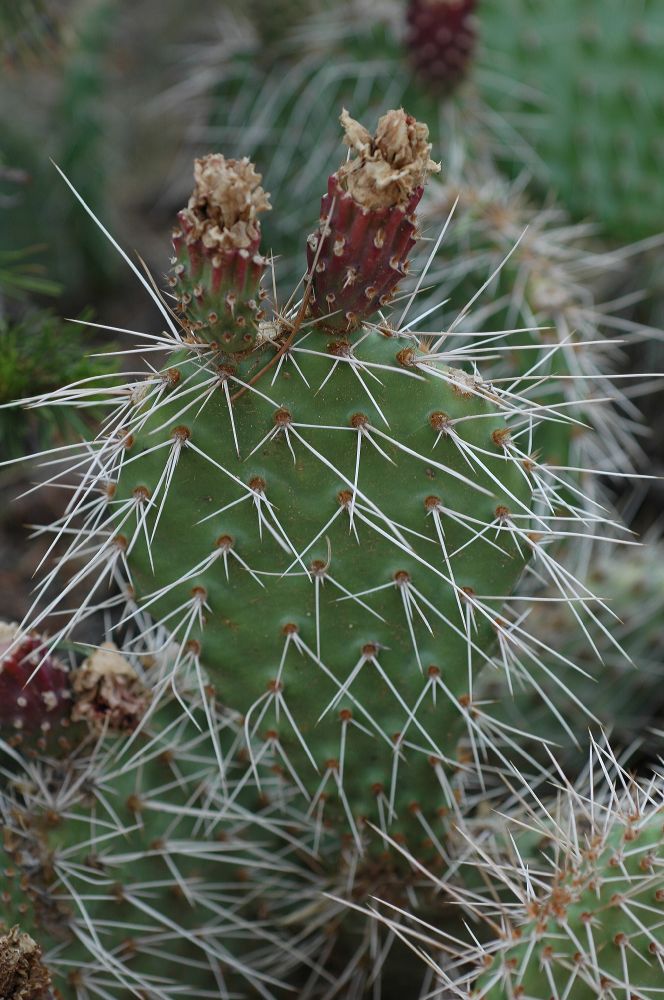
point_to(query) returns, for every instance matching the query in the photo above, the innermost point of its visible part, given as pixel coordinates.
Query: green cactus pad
(331, 622)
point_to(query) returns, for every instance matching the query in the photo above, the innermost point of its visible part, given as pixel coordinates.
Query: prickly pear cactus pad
(566, 891)
(323, 504)
(331, 520)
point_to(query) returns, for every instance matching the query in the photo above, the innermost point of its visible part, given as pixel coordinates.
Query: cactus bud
(30, 712)
(367, 228)
(23, 976)
(108, 694)
(217, 267)
(441, 40)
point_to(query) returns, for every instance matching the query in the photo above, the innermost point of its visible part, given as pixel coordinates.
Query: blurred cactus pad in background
(338, 661)
(591, 72)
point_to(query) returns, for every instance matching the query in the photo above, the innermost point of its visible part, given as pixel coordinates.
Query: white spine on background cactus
(554, 278)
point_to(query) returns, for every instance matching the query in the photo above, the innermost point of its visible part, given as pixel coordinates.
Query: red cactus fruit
(441, 39)
(217, 268)
(32, 712)
(367, 228)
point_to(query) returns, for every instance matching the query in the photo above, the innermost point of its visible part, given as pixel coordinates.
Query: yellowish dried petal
(225, 203)
(390, 165)
(108, 694)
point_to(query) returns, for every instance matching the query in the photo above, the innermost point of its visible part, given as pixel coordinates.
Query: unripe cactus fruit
(367, 227)
(34, 710)
(217, 266)
(22, 973)
(441, 40)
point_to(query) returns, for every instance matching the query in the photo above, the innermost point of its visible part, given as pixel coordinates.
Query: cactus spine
(565, 892)
(589, 920)
(625, 692)
(597, 929)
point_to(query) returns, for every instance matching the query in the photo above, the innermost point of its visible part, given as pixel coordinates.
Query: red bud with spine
(217, 268)
(441, 40)
(34, 713)
(367, 228)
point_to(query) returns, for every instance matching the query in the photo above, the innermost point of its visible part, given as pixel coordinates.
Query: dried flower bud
(218, 267)
(367, 228)
(389, 166)
(23, 975)
(108, 694)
